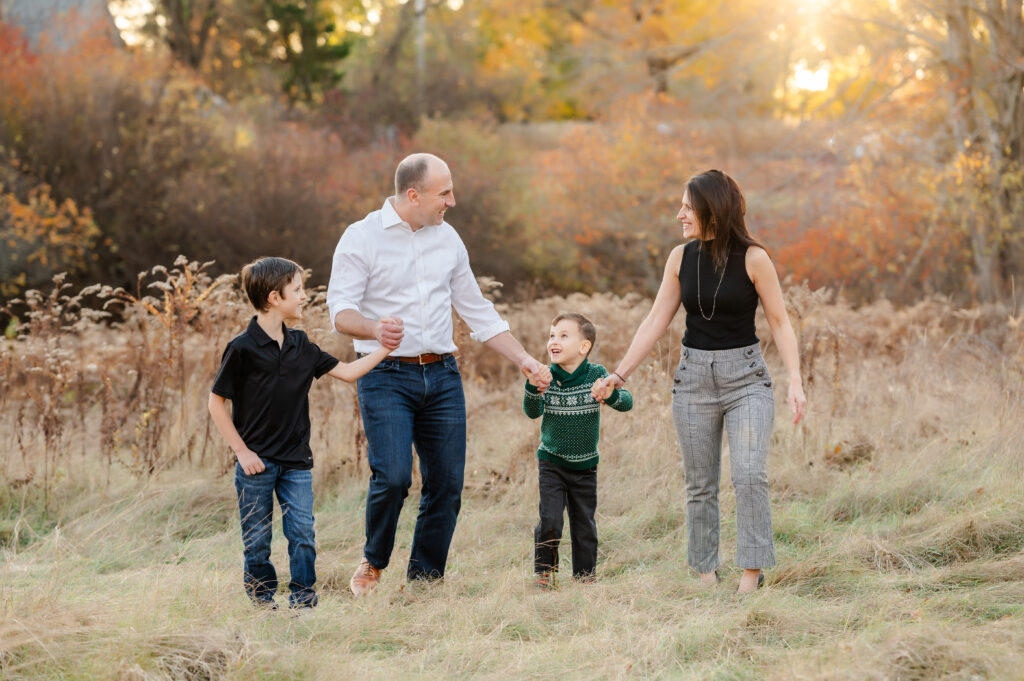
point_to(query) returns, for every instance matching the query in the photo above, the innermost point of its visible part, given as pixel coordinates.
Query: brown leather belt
(425, 358)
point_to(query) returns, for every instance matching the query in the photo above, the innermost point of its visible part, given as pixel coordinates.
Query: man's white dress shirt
(382, 268)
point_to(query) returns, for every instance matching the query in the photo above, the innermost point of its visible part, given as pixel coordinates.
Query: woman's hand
(796, 399)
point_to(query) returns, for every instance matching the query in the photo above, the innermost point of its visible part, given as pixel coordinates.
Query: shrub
(40, 235)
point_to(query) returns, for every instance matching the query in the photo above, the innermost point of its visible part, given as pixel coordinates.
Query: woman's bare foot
(708, 578)
(750, 580)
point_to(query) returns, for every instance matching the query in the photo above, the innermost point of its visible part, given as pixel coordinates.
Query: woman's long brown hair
(720, 207)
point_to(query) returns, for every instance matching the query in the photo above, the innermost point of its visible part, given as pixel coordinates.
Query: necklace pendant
(714, 298)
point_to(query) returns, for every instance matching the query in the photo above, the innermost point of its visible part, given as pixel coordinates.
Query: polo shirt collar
(260, 336)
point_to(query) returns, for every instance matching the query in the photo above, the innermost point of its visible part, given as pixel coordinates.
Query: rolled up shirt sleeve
(484, 321)
(349, 274)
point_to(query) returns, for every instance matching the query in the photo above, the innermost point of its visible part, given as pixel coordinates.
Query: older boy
(567, 457)
(266, 372)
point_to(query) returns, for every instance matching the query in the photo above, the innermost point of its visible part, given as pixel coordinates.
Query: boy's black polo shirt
(268, 387)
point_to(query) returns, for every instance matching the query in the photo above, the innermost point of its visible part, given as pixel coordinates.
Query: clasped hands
(539, 375)
(389, 332)
(603, 388)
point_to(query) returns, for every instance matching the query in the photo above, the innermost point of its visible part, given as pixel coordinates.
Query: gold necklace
(714, 299)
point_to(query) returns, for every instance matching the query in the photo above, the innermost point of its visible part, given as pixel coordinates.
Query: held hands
(539, 375)
(796, 399)
(389, 331)
(250, 462)
(603, 389)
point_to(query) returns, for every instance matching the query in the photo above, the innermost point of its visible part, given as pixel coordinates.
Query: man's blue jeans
(294, 490)
(403, 405)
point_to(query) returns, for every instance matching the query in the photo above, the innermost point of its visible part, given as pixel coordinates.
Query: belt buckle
(420, 358)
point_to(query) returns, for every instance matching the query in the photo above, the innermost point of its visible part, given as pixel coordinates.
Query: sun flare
(809, 80)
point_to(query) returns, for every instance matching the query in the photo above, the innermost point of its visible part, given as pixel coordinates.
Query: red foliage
(13, 45)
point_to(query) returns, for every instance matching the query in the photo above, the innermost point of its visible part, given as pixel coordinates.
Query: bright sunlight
(810, 80)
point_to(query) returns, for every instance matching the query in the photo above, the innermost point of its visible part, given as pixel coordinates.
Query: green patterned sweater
(572, 417)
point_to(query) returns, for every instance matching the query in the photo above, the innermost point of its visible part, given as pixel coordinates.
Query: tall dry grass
(898, 514)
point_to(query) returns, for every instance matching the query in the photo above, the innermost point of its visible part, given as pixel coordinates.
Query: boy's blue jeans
(294, 490)
(403, 405)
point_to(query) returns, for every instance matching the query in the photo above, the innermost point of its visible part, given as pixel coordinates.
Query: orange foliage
(884, 232)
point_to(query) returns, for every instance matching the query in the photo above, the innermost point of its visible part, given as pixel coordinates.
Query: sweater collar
(564, 379)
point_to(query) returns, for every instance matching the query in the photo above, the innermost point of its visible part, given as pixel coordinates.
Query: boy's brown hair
(586, 326)
(264, 275)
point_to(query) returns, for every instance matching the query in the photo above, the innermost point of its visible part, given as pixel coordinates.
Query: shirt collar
(389, 216)
(260, 336)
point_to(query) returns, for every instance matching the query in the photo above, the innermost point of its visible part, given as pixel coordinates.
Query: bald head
(413, 171)
(423, 190)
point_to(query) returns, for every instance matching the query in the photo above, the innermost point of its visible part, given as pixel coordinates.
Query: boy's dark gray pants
(576, 491)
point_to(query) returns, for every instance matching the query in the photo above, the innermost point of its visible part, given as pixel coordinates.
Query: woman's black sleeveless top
(731, 311)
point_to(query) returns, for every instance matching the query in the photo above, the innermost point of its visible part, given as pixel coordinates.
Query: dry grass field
(898, 513)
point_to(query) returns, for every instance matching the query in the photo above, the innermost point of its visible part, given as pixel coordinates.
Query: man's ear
(412, 195)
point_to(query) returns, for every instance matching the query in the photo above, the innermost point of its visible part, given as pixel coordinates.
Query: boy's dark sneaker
(265, 605)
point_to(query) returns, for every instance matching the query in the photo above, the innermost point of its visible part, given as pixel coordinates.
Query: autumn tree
(957, 68)
(977, 48)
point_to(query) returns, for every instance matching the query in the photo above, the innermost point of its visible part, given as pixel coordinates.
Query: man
(396, 276)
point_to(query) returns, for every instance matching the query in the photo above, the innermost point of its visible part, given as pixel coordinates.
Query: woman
(719, 277)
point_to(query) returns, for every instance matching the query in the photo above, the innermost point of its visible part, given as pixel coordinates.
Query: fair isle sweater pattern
(572, 402)
(571, 425)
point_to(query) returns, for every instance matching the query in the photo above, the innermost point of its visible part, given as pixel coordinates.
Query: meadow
(898, 509)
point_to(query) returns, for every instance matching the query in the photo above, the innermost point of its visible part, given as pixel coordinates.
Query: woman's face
(688, 216)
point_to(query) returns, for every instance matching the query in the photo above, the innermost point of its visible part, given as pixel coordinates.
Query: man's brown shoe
(365, 579)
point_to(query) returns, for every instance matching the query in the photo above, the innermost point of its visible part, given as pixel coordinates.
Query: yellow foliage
(43, 236)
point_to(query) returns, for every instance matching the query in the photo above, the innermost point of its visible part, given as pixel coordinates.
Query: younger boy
(567, 457)
(266, 372)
